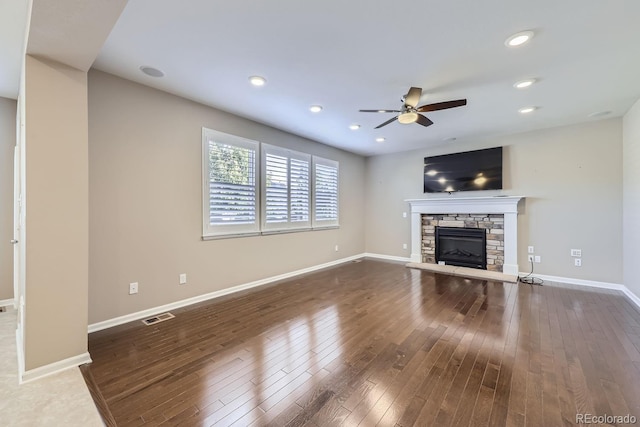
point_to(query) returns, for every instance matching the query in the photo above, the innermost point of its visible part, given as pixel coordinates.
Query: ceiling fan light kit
(408, 117)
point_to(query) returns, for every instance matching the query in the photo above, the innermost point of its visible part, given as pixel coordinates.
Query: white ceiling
(357, 54)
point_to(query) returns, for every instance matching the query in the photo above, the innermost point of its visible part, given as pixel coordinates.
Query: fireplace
(502, 253)
(463, 247)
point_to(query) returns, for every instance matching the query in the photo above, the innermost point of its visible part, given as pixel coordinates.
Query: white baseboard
(205, 297)
(591, 283)
(387, 257)
(212, 295)
(632, 297)
(54, 368)
(581, 282)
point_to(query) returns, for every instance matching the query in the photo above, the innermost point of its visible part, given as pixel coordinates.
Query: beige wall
(631, 201)
(56, 207)
(571, 176)
(7, 142)
(145, 201)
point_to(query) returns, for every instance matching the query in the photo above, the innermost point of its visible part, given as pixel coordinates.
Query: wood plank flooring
(375, 343)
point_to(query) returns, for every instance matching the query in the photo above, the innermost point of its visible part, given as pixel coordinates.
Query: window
(286, 189)
(251, 188)
(325, 194)
(230, 191)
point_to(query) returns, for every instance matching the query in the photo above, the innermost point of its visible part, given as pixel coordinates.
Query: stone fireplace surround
(504, 205)
(492, 224)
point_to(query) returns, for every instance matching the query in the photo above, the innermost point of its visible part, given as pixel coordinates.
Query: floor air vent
(157, 319)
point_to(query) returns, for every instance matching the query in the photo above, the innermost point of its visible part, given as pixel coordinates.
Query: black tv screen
(468, 171)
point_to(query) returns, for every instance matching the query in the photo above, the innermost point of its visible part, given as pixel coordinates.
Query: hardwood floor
(375, 343)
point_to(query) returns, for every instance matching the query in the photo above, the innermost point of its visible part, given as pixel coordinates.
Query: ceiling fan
(410, 110)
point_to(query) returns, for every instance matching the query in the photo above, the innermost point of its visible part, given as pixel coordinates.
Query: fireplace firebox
(462, 247)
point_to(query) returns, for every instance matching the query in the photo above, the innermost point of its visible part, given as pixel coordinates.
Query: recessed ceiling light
(527, 110)
(257, 80)
(315, 108)
(600, 113)
(354, 127)
(522, 84)
(380, 139)
(150, 71)
(519, 39)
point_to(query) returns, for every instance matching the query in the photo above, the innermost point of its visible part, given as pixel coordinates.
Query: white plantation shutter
(325, 197)
(277, 189)
(300, 202)
(286, 189)
(230, 191)
(249, 188)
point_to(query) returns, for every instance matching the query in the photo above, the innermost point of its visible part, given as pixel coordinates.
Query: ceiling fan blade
(379, 111)
(424, 121)
(442, 105)
(387, 122)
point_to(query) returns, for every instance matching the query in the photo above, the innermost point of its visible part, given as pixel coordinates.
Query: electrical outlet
(183, 278)
(404, 214)
(133, 288)
(576, 253)
(577, 262)
(530, 249)
(336, 248)
(536, 259)
(404, 246)
(530, 258)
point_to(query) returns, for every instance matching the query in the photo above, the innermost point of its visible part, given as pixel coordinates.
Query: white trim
(20, 353)
(55, 367)
(212, 295)
(633, 297)
(480, 205)
(581, 282)
(387, 257)
(8, 303)
(210, 136)
(590, 283)
(205, 297)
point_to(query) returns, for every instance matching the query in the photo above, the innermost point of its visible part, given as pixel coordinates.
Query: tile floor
(60, 399)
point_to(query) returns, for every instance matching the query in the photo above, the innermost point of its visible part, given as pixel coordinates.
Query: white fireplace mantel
(506, 205)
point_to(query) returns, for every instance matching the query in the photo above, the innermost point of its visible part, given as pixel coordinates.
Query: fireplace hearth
(463, 247)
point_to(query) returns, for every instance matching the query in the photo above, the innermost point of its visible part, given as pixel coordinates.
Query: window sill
(268, 232)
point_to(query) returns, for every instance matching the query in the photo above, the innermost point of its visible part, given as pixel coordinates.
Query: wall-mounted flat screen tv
(468, 171)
